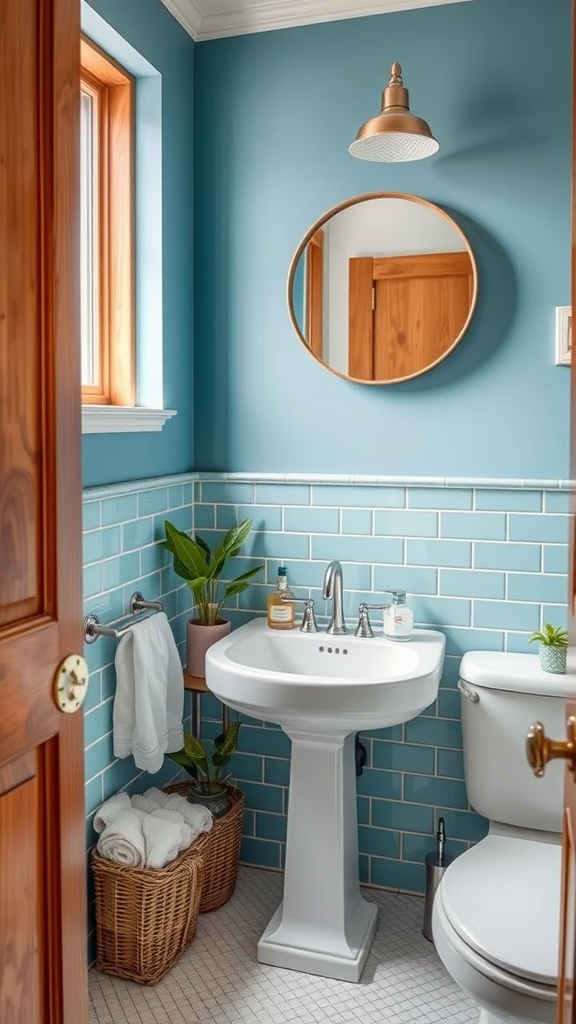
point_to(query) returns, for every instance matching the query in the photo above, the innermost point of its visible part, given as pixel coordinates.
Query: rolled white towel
(123, 841)
(198, 817)
(156, 794)
(187, 834)
(144, 803)
(166, 834)
(105, 814)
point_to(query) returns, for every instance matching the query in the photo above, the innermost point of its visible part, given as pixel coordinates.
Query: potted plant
(204, 763)
(201, 569)
(553, 643)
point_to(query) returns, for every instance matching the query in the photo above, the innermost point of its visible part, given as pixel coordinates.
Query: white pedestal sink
(321, 690)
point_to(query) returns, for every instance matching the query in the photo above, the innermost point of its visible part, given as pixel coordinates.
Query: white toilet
(495, 919)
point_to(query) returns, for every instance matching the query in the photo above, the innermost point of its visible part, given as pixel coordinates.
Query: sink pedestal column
(323, 925)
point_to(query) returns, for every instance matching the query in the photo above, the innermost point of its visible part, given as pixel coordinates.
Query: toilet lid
(502, 897)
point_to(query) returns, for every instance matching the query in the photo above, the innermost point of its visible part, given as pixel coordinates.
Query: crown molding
(187, 14)
(251, 16)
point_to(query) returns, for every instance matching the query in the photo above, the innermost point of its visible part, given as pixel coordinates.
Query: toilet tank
(512, 692)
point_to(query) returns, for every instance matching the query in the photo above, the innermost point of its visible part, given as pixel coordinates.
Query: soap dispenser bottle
(281, 614)
(398, 617)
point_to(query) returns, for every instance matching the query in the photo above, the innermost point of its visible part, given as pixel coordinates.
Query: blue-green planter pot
(553, 659)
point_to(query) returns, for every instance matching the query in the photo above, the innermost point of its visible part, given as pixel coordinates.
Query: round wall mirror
(382, 287)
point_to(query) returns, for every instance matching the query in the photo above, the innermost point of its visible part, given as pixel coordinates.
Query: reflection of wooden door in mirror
(405, 312)
(314, 289)
(376, 226)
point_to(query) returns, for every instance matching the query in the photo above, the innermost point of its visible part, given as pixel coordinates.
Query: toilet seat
(503, 871)
(505, 995)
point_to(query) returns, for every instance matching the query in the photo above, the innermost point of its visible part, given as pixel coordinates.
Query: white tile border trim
(329, 479)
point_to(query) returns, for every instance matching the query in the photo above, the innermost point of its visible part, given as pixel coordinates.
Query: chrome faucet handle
(308, 619)
(364, 627)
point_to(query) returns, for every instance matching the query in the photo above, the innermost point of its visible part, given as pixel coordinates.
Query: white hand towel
(164, 837)
(149, 701)
(110, 809)
(123, 839)
(198, 817)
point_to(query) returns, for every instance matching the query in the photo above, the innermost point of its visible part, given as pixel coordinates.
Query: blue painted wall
(275, 113)
(107, 458)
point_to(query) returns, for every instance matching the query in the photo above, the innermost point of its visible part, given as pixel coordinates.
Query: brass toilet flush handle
(540, 749)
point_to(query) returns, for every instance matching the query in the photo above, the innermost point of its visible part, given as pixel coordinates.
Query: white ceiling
(211, 19)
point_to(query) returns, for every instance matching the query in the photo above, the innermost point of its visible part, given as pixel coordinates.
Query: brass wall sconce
(396, 134)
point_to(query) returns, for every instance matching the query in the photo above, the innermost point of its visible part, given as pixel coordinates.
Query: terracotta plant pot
(199, 638)
(552, 659)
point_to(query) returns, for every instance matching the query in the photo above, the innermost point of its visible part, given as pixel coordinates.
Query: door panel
(43, 975)
(405, 312)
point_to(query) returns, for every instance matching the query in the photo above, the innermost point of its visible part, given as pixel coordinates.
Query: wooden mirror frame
(370, 343)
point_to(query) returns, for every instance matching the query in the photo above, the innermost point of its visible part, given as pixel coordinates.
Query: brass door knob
(540, 749)
(71, 684)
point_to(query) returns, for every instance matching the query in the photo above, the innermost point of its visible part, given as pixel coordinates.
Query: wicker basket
(145, 919)
(220, 850)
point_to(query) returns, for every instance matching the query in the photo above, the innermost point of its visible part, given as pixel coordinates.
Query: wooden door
(43, 973)
(406, 312)
(566, 1011)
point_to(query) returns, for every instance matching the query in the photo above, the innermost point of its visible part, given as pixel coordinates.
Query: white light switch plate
(563, 335)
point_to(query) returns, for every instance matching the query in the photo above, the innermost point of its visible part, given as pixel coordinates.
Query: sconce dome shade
(396, 134)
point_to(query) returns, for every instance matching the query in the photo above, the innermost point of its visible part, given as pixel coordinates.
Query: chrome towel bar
(93, 628)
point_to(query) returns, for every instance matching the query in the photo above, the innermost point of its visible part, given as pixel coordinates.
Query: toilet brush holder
(434, 871)
(436, 864)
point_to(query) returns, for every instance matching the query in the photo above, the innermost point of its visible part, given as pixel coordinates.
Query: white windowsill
(120, 419)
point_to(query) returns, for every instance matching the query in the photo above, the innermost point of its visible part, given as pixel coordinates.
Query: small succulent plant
(550, 636)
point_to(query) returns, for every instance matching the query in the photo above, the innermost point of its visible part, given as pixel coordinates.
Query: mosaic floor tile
(219, 981)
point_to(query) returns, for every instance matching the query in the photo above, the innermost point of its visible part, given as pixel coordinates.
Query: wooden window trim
(114, 89)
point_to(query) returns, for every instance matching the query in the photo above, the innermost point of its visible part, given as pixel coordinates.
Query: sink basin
(321, 690)
(326, 682)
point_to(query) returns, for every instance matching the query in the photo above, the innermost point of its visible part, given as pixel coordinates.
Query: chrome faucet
(333, 590)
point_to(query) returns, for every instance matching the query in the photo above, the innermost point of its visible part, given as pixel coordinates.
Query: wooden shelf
(194, 683)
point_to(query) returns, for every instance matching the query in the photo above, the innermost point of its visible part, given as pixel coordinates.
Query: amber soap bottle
(280, 614)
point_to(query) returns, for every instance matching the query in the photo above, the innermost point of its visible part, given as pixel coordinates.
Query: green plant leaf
(227, 742)
(202, 544)
(237, 535)
(197, 586)
(186, 552)
(240, 583)
(550, 636)
(180, 757)
(194, 563)
(232, 542)
(245, 576)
